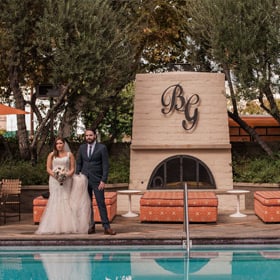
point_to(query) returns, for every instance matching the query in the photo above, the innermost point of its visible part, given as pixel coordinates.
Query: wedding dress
(80, 202)
(68, 207)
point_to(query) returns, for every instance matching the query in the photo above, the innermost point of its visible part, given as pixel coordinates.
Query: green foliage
(83, 48)
(256, 169)
(28, 174)
(37, 174)
(253, 107)
(244, 35)
(119, 169)
(118, 120)
(161, 33)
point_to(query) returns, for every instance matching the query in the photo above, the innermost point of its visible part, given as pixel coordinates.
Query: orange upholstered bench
(168, 206)
(39, 204)
(267, 206)
(111, 205)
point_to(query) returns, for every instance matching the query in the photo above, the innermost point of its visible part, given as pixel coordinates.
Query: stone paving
(130, 231)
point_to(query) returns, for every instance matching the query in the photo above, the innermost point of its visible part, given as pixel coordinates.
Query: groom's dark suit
(96, 168)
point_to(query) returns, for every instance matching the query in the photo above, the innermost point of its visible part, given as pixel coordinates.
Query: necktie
(89, 150)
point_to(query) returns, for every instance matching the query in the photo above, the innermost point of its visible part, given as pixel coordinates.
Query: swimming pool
(127, 263)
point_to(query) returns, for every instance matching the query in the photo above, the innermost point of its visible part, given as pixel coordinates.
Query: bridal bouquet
(60, 174)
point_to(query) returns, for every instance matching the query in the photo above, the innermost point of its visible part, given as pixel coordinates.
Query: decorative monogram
(173, 99)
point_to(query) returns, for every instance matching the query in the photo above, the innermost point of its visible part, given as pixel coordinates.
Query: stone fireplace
(180, 132)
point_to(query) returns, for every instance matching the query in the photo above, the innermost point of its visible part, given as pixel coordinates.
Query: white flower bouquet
(60, 174)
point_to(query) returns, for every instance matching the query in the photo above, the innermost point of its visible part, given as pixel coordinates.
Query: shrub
(258, 169)
(28, 174)
(37, 175)
(119, 169)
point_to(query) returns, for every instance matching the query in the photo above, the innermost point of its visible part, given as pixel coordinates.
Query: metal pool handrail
(186, 218)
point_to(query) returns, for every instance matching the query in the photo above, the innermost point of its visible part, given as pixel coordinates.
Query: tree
(16, 57)
(80, 47)
(240, 38)
(117, 123)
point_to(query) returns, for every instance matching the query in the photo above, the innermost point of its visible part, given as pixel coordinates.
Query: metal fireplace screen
(173, 172)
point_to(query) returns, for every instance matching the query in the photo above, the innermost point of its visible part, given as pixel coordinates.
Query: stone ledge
(46, 187)
(180, 147)
(255, 185)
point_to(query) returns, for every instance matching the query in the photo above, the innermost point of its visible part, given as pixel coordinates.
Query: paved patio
(130, 231)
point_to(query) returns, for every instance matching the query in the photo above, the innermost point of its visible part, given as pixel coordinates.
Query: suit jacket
(96, 168)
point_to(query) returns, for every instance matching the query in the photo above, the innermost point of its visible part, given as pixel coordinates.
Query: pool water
(127, 263)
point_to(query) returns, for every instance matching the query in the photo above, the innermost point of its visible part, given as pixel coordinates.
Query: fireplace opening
(173, 172)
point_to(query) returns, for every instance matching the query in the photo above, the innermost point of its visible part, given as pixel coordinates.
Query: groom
(93, 162)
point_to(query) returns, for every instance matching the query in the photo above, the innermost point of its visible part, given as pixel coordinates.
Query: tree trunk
(272, 109)
(22, 131)
(44, 127)
(7, 147)
(66, 125)
(237, 119)
(23, 140)
(36, 147)
(251, 132)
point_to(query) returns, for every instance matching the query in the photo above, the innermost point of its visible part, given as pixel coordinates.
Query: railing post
(186, 218)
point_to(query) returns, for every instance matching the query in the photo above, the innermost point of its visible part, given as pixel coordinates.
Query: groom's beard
(89, 141)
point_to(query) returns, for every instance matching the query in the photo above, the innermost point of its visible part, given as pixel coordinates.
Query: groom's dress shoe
(109, 231)
(91, 230)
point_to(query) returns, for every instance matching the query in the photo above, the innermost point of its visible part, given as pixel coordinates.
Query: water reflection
(66, 266)
(86, 266)
(111, 266)
(176, 265)
(20, 266)
(139, 264)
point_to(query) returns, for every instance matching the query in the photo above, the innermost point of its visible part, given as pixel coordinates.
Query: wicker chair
(10, 198)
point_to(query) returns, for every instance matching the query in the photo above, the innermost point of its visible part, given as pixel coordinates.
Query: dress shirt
(90, 149)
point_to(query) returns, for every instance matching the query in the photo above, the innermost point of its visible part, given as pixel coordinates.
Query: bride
(68, 207)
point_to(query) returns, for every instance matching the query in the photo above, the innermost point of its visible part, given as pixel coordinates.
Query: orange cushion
(168, 206)
(40, 201)
(39, 204)
(269, 214)
(269, 198)
(110, 198)
(176, 214)
(171, 198)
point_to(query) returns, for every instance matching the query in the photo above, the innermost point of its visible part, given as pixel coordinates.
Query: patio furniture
(10, 198)
(238, 193)
(111, 205)
(129, 193)
(168, 206)
(39, 204)
(267, 206)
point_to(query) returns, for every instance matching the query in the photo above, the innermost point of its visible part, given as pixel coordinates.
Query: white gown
(68, 207)
(80, 203)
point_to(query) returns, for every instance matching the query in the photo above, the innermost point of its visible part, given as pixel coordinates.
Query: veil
(66, 146)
